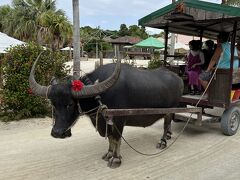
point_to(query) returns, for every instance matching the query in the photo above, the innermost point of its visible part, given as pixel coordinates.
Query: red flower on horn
(30, 91)
(77, 85)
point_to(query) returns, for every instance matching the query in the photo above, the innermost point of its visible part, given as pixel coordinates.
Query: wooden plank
(148, 111)
(219, 91)
(193, 118)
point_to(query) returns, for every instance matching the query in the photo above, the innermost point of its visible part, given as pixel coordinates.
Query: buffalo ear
(54, 81)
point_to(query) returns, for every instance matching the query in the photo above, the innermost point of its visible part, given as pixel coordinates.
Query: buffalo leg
(113, 155)
(115, 160)
(109, 154)
(167, 131)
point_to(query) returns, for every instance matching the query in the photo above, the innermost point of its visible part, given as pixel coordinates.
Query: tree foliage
(123, 30)
(18, 101)
(132, 30)
(137, 31)
(36, 20)
(233, 2)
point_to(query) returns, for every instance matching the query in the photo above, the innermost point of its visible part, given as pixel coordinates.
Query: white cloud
(139, 2)
(104, 21)
(152, 31)
(121, 8)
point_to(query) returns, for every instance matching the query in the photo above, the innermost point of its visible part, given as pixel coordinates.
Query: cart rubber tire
(230, 121)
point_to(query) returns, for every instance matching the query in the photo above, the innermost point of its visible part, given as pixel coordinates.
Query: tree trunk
(224, 1)
(76, 39)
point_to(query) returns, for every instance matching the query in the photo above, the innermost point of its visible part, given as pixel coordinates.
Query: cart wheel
(230, 121)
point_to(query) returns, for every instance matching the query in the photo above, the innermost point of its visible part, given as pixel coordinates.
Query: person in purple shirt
(195, 58)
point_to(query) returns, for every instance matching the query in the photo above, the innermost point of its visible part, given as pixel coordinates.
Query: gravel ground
(27, 151)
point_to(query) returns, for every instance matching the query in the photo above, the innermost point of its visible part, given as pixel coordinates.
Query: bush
(18, 102)
(155, 63)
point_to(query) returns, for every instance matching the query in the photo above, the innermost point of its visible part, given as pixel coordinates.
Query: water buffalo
(120, 87)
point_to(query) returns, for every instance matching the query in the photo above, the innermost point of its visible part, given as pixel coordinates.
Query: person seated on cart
(195, 59)
(221, 58)
(208, 52)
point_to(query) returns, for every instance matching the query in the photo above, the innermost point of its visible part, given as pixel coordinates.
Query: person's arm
(215, 58)
(202, 60)
(238, 54)
(186, 57)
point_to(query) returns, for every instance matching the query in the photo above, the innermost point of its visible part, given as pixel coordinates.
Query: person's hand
(208, 71)
(193, 66)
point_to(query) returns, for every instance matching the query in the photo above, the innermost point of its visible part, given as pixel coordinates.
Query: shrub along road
(27, 151)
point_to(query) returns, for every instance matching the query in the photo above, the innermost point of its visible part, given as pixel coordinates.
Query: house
(124, 43)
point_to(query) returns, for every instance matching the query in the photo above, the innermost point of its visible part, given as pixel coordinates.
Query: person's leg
(192, 89)
(191, 81)
(203, 83)
(195, 84)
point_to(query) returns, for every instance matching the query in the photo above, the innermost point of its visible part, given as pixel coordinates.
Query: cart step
(205, 118)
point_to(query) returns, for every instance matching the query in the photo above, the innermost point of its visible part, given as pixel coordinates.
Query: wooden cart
(204, 19)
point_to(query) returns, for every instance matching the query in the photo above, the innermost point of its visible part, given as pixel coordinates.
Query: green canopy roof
(193, 17)
(150, 42)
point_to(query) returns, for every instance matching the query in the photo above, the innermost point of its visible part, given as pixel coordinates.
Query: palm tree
(55, 29)
(28, 20)
(231, 2)
(224, 1)
(4, 11)
(22, 22)
(13, 22)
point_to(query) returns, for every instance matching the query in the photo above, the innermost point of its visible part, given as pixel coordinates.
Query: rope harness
(180, 133)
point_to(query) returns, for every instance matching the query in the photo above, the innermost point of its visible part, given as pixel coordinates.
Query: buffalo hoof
(114, 162)
(162, 144)
(107, 156)
(169, 136)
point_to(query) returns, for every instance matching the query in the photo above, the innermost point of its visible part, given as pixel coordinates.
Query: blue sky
(109, 14)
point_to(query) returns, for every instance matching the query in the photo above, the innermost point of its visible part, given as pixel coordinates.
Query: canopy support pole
(233, 39)
(166, 47)
(201, 35)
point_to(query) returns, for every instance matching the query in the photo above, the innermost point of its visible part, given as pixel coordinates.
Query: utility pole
(76, 39)
(96, 49)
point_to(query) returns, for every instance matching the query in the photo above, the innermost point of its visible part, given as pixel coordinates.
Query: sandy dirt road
(28, 152)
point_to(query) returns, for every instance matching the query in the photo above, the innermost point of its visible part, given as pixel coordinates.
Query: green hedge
(18, 102)
(155, 62)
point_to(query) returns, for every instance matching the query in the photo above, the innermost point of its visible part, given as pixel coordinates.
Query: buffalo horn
(37, 88)
(98, 88)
